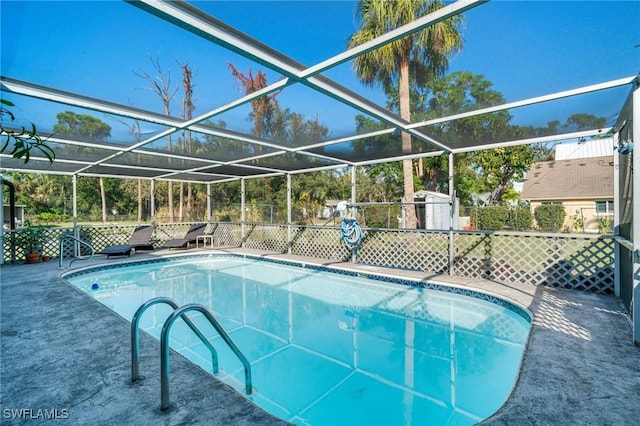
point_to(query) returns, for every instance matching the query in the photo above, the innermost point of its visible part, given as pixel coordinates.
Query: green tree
(418, 56)
(490, 171)
(500, 167)
(85, 127)
(582, 121)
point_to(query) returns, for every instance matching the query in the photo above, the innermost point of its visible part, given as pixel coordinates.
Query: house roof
(580, 178)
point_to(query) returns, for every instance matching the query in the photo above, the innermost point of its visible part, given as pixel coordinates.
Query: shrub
(550, 217)
(604, 225)
(520, 218)
(491, 218)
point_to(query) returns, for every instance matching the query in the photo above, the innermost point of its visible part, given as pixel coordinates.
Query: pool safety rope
(351, 233)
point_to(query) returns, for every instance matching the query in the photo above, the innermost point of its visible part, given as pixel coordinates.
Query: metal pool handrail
(164, 350)
(135, 336)
(71, 237)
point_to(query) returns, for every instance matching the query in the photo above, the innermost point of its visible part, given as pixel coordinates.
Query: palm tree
(419, 56)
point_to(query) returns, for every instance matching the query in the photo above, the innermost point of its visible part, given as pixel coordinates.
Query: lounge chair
(139, 240)
(190, 238)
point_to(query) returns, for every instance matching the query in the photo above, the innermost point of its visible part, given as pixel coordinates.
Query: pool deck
(64, 354)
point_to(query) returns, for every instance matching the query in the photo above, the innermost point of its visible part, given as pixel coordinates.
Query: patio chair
(139, 240)
(190, 238)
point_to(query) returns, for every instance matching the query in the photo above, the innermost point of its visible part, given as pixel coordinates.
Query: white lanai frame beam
(125, 111)
(173, 124)
(195, 21)
(635, 299)
(211, 29)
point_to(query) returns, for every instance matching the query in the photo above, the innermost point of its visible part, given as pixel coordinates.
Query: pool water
(332, 349)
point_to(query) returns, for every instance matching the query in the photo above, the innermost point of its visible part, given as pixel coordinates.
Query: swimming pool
(332, 348)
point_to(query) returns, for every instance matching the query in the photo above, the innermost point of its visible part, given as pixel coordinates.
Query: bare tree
(187, 113)
(161, 86)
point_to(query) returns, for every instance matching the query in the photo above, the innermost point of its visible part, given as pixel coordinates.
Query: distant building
(584, 149)
(435, 213)
(584, 186)
(19, 212)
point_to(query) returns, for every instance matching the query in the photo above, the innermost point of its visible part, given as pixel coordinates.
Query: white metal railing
(66, 237)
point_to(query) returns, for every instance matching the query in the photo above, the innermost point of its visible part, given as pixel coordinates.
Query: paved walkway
(64, 354)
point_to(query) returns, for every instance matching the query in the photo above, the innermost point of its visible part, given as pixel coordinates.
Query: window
(604, 207)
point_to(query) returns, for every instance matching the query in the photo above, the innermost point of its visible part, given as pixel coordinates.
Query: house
(584, 186)
(19, 212)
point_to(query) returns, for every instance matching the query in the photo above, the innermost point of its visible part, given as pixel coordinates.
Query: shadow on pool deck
(64, 351)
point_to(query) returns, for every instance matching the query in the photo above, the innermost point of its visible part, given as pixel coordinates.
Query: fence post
(288, 213)
(452, 205)
(242, 212)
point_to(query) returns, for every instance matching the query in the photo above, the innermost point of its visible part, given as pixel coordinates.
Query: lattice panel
(266, 237)
(571, 261)
(100, 237)
(228, 234)
(169, 231)
(581, 263)
(417, 250)
(51, 243)
(14, 244)
(321, 242)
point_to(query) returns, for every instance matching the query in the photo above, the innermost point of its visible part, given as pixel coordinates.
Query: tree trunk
(498, 191)
(170, 200)
(407, 165)
(181, 205)
(189, 201)
(169, 184)
(103, 198)
(139, 200)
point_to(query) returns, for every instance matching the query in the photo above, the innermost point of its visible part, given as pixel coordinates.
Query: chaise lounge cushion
(139, 240)
(190, 238)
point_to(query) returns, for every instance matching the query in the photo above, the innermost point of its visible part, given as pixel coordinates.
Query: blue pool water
(328, 348)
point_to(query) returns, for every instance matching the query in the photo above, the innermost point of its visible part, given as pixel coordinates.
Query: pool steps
(179, 312)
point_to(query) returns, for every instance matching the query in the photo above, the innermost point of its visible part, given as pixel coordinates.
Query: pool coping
(579, 367)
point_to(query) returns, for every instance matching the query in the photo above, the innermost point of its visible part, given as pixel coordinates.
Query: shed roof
(584, 149)
(581, 178)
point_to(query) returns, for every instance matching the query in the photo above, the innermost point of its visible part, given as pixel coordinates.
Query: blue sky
(525, 48)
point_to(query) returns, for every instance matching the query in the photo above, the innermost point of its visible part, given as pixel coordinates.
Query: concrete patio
(65, 355)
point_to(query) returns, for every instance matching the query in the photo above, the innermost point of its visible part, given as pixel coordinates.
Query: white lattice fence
(266, 237)
(418, 250)
(100, 237)
(321, 242)
(228, 234)
(572, 261)
(170, 231)
(14, 244)
(582, 262)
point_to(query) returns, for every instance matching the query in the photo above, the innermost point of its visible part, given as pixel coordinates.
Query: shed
(435, 212)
